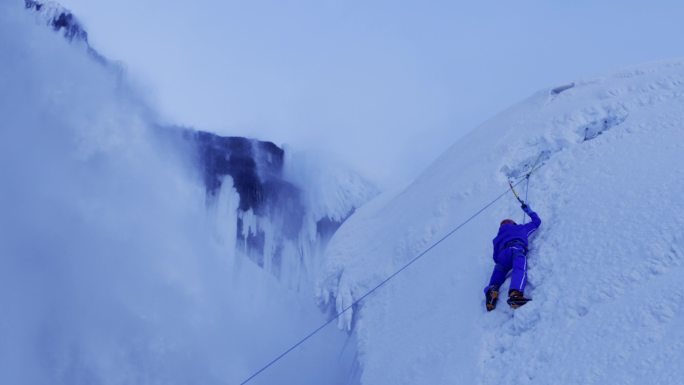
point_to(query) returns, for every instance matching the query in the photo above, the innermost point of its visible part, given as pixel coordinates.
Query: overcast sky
(387, 85)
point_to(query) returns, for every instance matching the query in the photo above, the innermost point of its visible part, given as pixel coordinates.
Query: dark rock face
(326, 227)
(256, 169)
(63, 21)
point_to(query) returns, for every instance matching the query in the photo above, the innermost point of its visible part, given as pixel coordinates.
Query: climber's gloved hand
(525, 207)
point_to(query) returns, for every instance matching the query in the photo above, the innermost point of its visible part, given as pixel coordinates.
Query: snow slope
(604, 270)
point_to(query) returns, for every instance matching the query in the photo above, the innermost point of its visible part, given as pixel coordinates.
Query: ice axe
(510, 184)
(534, 168)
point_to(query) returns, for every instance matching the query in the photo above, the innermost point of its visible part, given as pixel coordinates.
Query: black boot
(516, 299)
(491, 297)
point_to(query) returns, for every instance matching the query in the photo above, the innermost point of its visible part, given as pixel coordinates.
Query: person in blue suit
(510, 253)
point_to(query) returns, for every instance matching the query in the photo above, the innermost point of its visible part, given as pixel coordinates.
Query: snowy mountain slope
(604, 269)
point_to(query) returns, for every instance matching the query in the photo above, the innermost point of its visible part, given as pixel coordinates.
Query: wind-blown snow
(111, 271)
(604, 269)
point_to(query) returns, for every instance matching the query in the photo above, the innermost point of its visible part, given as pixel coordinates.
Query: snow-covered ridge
(604, 269)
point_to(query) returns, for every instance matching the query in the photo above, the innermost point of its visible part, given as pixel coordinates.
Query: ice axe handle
(510, 184)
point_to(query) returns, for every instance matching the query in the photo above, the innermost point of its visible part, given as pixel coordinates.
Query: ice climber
(510, 253)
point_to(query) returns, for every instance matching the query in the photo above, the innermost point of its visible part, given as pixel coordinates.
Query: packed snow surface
(605, 268)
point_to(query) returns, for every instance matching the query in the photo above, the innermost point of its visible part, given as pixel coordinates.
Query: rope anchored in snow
(379, 285)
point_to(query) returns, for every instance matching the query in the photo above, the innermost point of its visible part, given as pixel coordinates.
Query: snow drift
(604, 269)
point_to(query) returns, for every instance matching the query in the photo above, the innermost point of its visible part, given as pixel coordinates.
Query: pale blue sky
(388, 85)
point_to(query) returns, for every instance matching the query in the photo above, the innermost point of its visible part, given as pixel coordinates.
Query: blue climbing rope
(379, 285)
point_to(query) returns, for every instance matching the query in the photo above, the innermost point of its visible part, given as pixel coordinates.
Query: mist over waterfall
(119, 264)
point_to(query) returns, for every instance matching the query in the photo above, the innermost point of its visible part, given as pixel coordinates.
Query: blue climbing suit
(510, 252)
